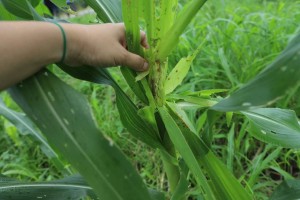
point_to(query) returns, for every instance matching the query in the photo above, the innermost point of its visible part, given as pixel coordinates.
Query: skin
(26, 47)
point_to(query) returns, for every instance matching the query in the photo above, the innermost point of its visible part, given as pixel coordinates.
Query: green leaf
(288, 189)
(65, 118)
(183, 184)
(107, 10)
(135, 124)
(133, 40)
(25, 126)
(225, 185)
(60, 3)
(74, 188)
(229, 116)
(148, 114)
(35, 3)
(204, 93)
(182, 142)
(274, 125)
(156, 195)
(148, 14)
(199, 102)
(23, 9)
(180, 71)
(18, 8)
(268, 86)
(136, 87)
(177, 109)
(5, 15)
(168, 11)
(192, 148)
(261, 162)
(131, 20)
(207, 135)
(171, 38)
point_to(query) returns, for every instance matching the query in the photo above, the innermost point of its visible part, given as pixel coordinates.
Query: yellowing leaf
(180, 71)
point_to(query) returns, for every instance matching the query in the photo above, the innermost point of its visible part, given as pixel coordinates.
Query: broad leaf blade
(276, 126)
(5, 15)
(171, 38)
(180, 71)
(74, 188)
(23, 9)
(25, 126)
(135, 124)
(288, 189)
(133, 40)
(168, 11)
(107, 10)
(59, 3)
(131, 20)
(64, 116)
(18, 8)
(271, 84)
(182, 144)
(224, 184)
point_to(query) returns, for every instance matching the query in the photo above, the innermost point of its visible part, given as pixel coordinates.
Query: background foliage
(240, 41)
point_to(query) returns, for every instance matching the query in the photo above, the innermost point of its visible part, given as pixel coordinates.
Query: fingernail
(146, 65)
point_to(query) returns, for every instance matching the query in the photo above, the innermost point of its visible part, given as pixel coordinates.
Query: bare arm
(26, 47)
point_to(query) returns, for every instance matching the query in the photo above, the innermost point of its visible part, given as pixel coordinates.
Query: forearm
(26, 47)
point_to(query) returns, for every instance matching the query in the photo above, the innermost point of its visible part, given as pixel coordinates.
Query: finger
(144, 41)
(135, 62)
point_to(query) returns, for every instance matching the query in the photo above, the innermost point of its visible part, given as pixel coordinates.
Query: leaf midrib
(68, 133)
(265, 118)
(39, 185)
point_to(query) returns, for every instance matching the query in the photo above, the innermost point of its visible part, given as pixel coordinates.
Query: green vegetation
(236, 40)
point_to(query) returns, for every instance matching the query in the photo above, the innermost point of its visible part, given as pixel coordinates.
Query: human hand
(102, 46)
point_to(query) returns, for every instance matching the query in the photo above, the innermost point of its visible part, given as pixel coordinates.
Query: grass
(242, 37)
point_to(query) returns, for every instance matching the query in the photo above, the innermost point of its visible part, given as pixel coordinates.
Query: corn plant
(63, 115)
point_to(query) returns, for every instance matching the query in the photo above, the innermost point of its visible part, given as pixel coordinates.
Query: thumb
(135, 62)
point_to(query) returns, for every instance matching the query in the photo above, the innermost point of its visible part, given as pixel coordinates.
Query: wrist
(75, 35)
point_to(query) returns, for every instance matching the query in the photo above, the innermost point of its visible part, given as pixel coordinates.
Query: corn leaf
(271, 84)
(204, 93)
(191, 147)
(168, 11)
(25, 126)
(179, 72)
(148, 14)
(288, 189)
(107, 10)
(35, 3)
(171, 38)
(156, 195)
(18, 8)
(183, 115)
(73, 187)
(135, 124)
(183, 184)
(225, 185)
(182, 143)
(5, 15)
(69, 126)
(274, 125)
(198, 102)
(60, 3)
(131, 20)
